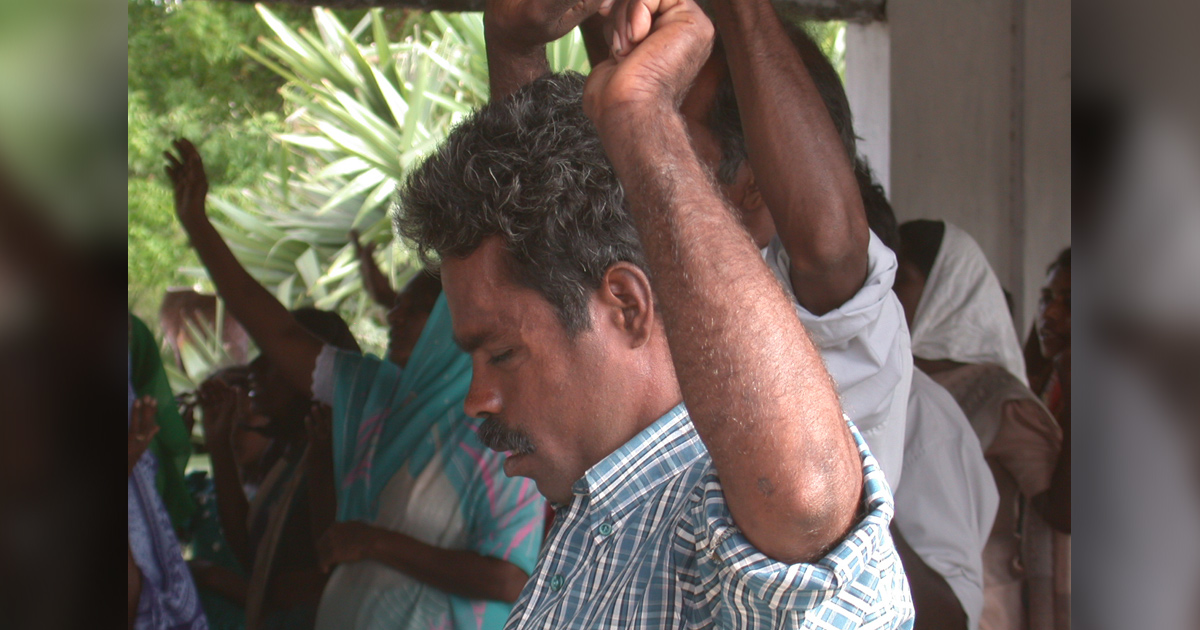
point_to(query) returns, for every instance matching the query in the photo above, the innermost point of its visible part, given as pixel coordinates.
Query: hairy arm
(273, 328)
(458, 572)
(799, 162)
(756, 388)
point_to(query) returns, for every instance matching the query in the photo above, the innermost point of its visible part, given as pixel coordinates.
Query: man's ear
(748, 197)
(625, 297)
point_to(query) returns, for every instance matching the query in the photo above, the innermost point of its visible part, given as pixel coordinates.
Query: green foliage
(831, 37)
(188, 77)
(364, 107)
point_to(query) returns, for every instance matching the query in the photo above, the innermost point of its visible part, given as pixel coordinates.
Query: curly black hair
(528, 168)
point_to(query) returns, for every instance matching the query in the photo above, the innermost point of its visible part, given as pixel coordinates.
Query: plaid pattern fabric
(648, 542)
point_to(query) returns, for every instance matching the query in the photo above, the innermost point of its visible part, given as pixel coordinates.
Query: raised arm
(374, 282)
(273, 328)
(758, 393)
(517, 32)
(799, 162)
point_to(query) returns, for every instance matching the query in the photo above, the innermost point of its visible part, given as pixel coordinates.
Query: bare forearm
(288, 344)
(463, 573)
(787, 463)
(510, 65)
(232, 506)
(592, 31)
(799, 161)
(377, 285)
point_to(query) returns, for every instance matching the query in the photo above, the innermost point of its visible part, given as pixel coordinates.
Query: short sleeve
(508, 515)
(866, 348)
(859, 581)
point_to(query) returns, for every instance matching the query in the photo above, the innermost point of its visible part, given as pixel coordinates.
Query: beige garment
(1021, 441)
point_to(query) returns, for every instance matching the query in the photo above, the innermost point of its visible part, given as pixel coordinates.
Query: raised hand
(143, 426)
(222, 406)
(658, 48)
(517, 32)
(186, 172)
(528, 23)
(375, 283)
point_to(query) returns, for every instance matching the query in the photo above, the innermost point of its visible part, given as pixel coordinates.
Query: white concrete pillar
(980, 127)
(868, 88)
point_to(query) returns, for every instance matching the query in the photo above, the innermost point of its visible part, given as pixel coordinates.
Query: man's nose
(483, 398)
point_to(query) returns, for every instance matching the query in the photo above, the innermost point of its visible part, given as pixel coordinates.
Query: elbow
(817, 518)
(828, 271)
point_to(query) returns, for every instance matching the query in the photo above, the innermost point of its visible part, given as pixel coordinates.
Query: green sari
(172, 445)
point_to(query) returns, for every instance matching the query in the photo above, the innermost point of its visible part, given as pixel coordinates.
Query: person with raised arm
(427, 532)
(695, 445)
(770, 117)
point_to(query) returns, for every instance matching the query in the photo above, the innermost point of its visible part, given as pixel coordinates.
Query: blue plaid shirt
(648, 542)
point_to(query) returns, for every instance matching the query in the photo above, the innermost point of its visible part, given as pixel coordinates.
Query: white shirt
(865, 345)
(947, 505)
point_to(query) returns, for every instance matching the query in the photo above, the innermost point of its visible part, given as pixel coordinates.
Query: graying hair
(530, 169)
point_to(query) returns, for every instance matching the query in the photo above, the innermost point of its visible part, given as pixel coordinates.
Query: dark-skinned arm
(594, 39)
(757, 391)
(374, 282)
(458, 572)
(516, 33)
(292, 348)
(219, 406)
(799, 162)
(936, 605)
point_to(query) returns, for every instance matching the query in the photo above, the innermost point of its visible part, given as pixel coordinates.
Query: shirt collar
(650, 458)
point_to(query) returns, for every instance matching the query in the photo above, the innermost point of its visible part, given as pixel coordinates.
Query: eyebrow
(471, 342)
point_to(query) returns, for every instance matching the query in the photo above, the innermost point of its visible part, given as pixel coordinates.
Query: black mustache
(498, 438)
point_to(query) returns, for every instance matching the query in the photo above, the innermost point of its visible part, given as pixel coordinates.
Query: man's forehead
(478, 288)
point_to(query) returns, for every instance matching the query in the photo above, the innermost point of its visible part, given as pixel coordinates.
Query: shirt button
(556, 582)
(605, 529)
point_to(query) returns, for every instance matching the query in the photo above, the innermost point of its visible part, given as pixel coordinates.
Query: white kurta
(865, 345)
(947, 505)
